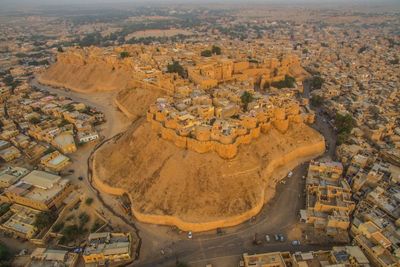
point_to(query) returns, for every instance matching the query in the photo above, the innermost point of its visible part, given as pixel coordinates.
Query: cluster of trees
(74, 231)
(246, 98)
(9, 81)
(206, 53)
(344, 125)
(316, 82)
(157, 39)
(5, 255)
(288, 82)
(97, 224)
(35, 55)
(176, 67)
(34, 62)
(124, 54)
(235, 32)
(215, 50)
(90, 39)
(45, 219)
(316, 100)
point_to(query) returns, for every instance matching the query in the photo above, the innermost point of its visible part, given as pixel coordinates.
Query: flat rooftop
(41, 179)
(42, 257)
(39, 186)
(108, 244)
(273, 258)
(22, 220)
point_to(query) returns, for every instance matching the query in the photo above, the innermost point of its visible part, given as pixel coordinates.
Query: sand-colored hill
(199, 192)
(134, 102)
(90, 77)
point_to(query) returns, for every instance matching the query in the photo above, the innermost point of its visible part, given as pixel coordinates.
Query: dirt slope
(134, 102)
(86, 78)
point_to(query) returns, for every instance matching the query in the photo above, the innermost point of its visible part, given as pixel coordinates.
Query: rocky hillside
(164, 180)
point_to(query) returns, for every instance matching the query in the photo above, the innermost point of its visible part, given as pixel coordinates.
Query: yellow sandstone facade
(215, 121)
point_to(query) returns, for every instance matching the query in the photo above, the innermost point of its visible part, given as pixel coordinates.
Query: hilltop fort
(213, 132)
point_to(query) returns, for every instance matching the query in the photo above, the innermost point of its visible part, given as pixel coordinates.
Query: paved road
(278, 216)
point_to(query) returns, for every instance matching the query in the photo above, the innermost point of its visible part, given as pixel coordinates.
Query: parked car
(290, 174)
(296, 243)
(276, 237)
(267, 238)
(281, 237)
(80, 178)
(190, 235)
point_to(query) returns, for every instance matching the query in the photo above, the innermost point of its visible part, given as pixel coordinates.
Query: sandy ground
(166, 180)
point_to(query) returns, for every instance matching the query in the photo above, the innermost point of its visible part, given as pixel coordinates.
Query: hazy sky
(17, 4)
(55, 2)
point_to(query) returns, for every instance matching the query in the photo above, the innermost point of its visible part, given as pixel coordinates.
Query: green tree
(344, 125)
(216, 50)
(89, 201)
(316, 82)
(83, 218)
(44, 219)
(206, 53)
(97, 224)
(4, 208)
(316, 100)
(5, 255)
(34, 120)
(246, 98)
(176, 67)
(124, 54)
(8, 80)
(57, 227)
(287, 82)
(72, 232)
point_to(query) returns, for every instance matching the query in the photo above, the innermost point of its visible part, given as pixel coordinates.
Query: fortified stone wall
(225, 150)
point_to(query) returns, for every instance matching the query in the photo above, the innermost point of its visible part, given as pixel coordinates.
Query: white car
(190, 235)
(296, 243)
(290, 174)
